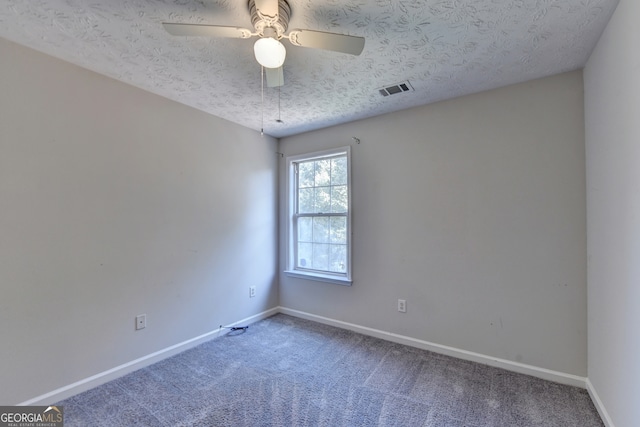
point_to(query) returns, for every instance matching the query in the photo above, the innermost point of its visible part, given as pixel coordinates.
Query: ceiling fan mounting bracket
(262, 21)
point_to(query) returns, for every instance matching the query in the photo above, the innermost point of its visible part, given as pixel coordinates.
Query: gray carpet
(285, 371)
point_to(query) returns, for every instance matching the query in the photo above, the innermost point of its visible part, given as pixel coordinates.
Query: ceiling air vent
(397, 88)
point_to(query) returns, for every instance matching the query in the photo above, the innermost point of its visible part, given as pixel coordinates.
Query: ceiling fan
(270, 19)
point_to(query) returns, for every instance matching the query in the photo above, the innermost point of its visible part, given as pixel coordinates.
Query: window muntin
(319, 243)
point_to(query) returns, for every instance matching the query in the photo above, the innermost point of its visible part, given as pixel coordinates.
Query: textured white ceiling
(445, 48)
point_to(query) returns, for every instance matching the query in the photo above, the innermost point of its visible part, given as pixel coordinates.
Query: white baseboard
(546, 374)
(606, 419)
(119, 371)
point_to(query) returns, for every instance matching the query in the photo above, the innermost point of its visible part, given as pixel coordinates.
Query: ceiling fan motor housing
(261, 21)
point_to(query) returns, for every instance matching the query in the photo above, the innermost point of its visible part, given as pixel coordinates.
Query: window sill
(320, 277)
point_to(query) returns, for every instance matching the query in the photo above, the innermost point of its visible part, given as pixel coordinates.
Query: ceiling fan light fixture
(270, 53)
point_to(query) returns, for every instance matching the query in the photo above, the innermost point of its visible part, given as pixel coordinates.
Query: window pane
(305, 253)
(305, 200)
(338, 232)
(323, 172)
(339, 171)
(339, 198)
(321, 230)
(338, 258)
(323, 200)
(321, 212)
(305, 230)
(320, 256)
(306, 174)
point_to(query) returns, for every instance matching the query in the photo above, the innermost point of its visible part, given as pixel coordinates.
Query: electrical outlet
(141, 321)
(252, 291)
(402, 305)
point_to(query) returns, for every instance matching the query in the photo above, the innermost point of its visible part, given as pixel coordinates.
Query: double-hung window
(320, 216)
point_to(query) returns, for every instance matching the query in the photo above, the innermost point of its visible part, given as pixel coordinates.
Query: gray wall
(116, 202)
(612, 115)
(473, 210)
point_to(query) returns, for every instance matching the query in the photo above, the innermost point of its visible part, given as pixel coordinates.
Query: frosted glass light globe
(270, 53)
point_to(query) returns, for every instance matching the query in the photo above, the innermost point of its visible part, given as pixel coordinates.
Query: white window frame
(291, 269)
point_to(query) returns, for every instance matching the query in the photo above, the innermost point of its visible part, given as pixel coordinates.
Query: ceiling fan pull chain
(262, 92)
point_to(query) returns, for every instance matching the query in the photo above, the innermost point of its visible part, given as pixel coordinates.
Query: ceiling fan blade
(268, 9)
(275, 76)
(329, 41)
(201, 30)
